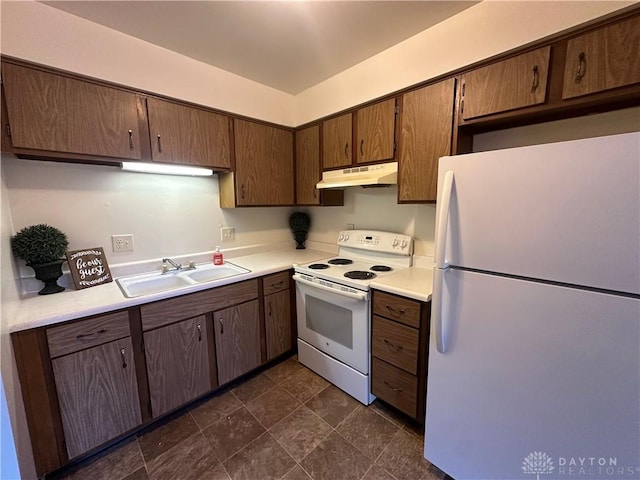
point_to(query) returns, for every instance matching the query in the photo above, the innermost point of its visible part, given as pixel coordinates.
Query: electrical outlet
(122, 243)
(351, 226)
(227, 234)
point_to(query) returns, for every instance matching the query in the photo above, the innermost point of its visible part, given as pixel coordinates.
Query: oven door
(334, 321)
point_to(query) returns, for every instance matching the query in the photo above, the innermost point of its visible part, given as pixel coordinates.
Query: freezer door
(534, 378)
(567, 212)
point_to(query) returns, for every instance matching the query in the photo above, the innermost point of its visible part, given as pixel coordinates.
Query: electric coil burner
(334, 308)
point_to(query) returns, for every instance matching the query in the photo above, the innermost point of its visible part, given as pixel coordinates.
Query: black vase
(49, 273)
(300, 237)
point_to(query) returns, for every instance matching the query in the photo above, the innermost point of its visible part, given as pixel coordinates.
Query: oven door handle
(356, 296)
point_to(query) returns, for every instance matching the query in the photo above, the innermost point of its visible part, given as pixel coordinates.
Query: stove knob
(346, 236)
(403, 244)
(395, 242)
(341, 237)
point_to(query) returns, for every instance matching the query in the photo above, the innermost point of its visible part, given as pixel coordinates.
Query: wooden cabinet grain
(426, 133)
(516, 82)
(264, 167)
(98, 394)
(188, 135)
(55, 113)
(237, 338)
(277, 313)
(177, 358)
(376, 125)
(336, 142)
(603, 59)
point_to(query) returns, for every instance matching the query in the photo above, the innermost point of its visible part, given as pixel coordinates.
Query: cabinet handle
(361, 145)
(536, 79)
(394, 310)
(582, 67)
(221, 326)
(392, 346)
(124, 360)
(88, 335)
(315, 193)
(242, 191)
(130, 139)
(269, 308)
(346, 146)
(395, 389)
(199, 332)
(159, 144)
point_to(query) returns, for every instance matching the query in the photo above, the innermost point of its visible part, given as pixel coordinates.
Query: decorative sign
(89, 267)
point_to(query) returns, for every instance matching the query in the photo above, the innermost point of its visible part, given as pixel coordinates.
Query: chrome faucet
(177, 266)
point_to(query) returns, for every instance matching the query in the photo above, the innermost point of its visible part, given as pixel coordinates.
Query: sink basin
(148, 283)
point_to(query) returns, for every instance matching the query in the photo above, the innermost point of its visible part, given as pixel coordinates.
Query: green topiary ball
(39, 244)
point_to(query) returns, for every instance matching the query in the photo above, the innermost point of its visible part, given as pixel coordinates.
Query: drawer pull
(582, 67)
(276, 285)
(124, 360)
(159, 144)
(221, 326)
(395, 389)
(131, 140)
(91, 335)
(536, 79)
(392, 346)
(199, 332)
(346, 146)
(395, 311)
(269, 308)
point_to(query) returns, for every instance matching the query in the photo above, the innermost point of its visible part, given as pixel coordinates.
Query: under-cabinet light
(164, 169)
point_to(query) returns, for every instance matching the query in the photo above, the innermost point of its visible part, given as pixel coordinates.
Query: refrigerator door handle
(436, 308)
(443, 219)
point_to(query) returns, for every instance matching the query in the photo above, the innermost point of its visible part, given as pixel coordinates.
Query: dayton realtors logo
(537, 463)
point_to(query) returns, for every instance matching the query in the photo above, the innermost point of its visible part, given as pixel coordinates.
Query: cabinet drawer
(276, 282)
(397, 308)
(396, 344)
(77, 336)
(394, 386)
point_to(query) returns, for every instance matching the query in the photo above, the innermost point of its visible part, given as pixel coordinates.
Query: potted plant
(299, 223)
(42, 247)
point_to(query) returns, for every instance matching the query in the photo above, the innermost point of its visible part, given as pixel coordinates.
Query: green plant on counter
(39, 244)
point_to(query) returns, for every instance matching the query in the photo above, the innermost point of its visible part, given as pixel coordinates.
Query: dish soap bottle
(217, 257)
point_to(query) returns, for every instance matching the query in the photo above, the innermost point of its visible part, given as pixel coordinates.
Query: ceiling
(287, 45)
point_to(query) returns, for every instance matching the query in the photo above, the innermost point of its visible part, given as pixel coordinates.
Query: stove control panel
(378, 241)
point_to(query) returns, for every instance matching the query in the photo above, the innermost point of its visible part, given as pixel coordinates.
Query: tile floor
(286, 422)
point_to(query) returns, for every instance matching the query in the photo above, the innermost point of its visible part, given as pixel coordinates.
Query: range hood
(365, 176)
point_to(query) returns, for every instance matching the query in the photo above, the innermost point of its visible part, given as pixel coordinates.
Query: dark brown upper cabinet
(336, 142)
(376, 126)
(47, 112)
(516, 82)
(603, 59)
(427, 126)
(188, 135)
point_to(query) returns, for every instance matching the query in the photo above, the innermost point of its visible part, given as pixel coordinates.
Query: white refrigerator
(534, 354)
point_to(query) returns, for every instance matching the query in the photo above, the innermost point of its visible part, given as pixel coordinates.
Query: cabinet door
(187, 135)
(177, 363)
(427, 126)
(517, 82)
(237, 333)
(264, 164)
(60, 114)
(336, 142)
(98, 395)
(277, 313)
(603, 59)
(376, 132)
(307, 166)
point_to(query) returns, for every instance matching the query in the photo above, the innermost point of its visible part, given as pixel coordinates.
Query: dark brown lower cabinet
(237, 337)
(277, 320)
(98, 394)
(177, 358)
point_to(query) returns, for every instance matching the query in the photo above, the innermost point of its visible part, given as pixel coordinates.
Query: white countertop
(42, 310)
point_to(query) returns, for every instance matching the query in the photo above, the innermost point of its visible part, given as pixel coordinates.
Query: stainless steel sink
(148, 283)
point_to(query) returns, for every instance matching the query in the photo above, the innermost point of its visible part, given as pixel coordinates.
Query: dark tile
(253, 388)
(233, 432)
(389, 412)
(191, 459)
(403, 458)
(167, 436)
(336, 458)
(115, 463)
(300, 432)
(140, 474)
(214, 409)
(272, 406)
(297, 473)
(368, 431)
(415, 428)
(377, 473)
(284, 370)
(332, 405)
(262, 459)
(304, 384)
